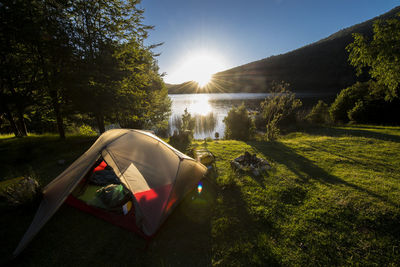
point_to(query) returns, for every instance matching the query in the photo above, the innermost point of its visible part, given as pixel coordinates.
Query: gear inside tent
(128, 177)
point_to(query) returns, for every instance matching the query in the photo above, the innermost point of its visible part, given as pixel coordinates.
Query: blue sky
(238, 32)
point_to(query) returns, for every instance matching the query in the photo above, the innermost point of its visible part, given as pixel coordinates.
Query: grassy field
(332, 197)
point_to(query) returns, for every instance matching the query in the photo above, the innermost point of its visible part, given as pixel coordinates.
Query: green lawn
(332, 197)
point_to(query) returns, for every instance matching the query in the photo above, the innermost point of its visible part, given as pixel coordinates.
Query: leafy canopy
(381, 54)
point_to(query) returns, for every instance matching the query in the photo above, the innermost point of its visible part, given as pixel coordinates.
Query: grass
(332, 197)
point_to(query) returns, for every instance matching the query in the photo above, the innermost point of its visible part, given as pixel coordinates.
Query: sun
(198, 67)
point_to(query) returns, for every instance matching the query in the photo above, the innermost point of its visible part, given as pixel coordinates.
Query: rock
(256, 172)
(250, 162)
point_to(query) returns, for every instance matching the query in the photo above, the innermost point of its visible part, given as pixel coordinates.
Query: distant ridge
(320, 67)
(189, 87)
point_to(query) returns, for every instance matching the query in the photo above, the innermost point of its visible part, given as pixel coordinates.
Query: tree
(142, 95)
(34, 48)
(106, 32)
(19, 69)
(61, 60)
(55, 53)
(381, 55)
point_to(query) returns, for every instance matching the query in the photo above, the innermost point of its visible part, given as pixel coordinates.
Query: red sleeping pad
(127, 221)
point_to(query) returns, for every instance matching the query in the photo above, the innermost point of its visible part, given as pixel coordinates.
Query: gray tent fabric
(157, 174)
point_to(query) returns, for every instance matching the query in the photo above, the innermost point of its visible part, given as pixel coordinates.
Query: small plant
(86, 130)
(216, 135)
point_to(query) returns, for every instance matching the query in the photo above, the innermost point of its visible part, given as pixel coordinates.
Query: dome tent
(157, 175)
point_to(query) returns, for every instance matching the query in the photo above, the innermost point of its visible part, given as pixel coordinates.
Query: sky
(202, 37)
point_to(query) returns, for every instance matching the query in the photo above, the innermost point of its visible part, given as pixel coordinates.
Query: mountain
(183, 88)
(320, 67)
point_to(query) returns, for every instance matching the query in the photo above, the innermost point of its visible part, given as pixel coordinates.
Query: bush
(238, 124)
(183, 136)
(319, 114)
(86, 130)
(365, 103)
(188, 123)
(346, 100)
(260, 121)
(272, 128)
(279, 110)
(358, 112)
(25, 192)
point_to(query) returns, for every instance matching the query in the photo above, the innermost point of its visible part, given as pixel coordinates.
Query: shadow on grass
(368, 164)
(238, 236)
(73, 237)
(363, 131)
(39, 155)
(185, 237)
(304, 168)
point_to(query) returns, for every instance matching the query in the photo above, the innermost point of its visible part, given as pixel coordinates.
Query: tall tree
(102, 27)
(143, 98)
(85, 56)
(35, 47)
(381, 55)
(19, 68)
(55, 54)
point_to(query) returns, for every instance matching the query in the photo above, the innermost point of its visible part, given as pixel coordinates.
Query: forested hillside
(319, 67)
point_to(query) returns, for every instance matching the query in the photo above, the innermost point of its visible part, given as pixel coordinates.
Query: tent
(157, 175)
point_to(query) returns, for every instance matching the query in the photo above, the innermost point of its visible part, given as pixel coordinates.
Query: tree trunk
(59, 119)
(12, 122)
(21, 122)
(100, 122)
(21, 126)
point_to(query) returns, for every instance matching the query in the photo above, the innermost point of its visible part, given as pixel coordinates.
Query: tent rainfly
(157, 175)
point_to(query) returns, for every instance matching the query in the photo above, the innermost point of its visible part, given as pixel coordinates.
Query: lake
(209, 110)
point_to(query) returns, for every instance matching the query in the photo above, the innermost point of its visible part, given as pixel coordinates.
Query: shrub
(86, 130)
(161, 129)
(183, 136)
(358, 112)
(279, 109)
(25, 192)
(319, 113)
(346, 100)
(260, 121)
(238, 124)
(365, 103)
(188, 123)
(272, 129)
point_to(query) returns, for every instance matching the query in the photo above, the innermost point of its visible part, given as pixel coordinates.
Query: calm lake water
(209, 110)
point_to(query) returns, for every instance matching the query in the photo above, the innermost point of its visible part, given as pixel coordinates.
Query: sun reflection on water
(200, 105)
